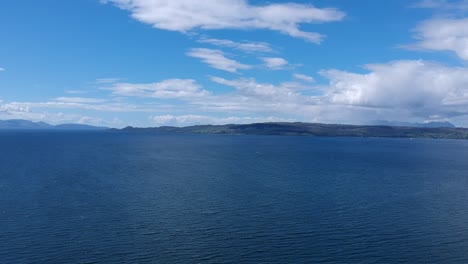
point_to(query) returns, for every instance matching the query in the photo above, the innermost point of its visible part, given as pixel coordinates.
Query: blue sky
(184, 62)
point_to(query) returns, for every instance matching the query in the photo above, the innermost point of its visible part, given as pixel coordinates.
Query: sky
(149, 63)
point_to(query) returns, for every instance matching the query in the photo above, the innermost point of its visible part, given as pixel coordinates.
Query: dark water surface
(100, 197)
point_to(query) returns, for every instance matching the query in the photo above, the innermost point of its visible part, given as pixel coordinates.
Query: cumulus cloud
(167, 89)
(187, 120)
(304, 78)
(188, 15)
(413, 91)
(217, 60)
(247, 46)
(274, 63)
(419, 87)
(443, 34)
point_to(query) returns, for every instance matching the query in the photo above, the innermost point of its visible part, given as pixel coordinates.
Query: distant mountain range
(20, 124)
(311, 129)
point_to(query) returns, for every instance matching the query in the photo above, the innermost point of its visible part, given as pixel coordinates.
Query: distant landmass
(401, 130)
(408, 124)
(312, 129)
(20, 124)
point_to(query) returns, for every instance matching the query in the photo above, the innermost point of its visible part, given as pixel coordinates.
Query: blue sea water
(101, 197)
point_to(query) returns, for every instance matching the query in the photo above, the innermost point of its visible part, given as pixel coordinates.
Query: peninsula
(312, 129)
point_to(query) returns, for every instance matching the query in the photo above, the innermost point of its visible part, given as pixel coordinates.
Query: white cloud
(96, 121)
(2, 69)
(79, 100)
(187, 15)
(75, 92)
(250, 88)
(303, 77)
(406, 90)
(247, 46)
(25, 111)
(167, 89)
(274, 63)
(51, 112)
(102, 107)
(443, 5)
(418, 87)
(187, 120)
(217, 60)
(8, 109)
(443, 34)
(107, 80)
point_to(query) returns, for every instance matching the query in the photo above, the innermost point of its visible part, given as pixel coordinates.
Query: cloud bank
(421, 88)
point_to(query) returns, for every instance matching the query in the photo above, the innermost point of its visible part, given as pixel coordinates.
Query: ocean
(104, 197)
